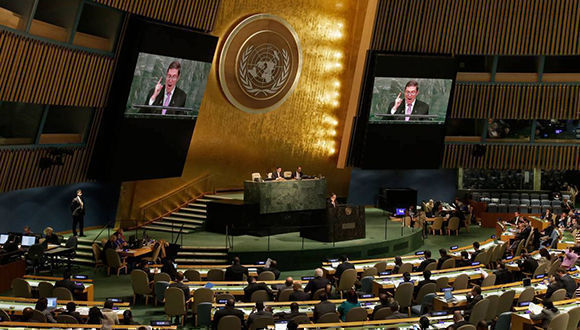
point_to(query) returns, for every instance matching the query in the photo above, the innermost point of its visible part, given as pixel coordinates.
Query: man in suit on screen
(167, 94)
(409, 105)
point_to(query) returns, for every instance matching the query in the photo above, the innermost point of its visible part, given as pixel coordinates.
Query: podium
(341, 223)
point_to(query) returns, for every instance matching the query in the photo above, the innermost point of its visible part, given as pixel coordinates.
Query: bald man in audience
(458, 320)
(288, 284)
(298, 294)
(317, 283)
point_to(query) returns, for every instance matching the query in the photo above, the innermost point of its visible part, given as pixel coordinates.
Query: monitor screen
(280, 325)
(400, 211)
(51, 302)
(448, 295)
(410, 100)
(3, 238)
(28, 240)
(165, 86)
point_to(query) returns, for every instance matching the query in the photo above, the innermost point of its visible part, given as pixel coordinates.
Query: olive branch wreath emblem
(247, 83)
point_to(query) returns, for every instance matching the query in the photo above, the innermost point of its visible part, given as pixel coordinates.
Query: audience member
(27, 231)
(546, 315)
(395, 312)
(298, 294)
(71, 310)
(458, 320)
(464, 261)
(42, 306)
(567, 282)
(344, 265)
(257, 312)
(50, 237)
(323, 307)
(406, 277)
(424, 323)
(384, 302)
(111, 243)
(72, 286)
(27, 314)
(236, 271)
(570, 258)
(272, 268)
(476, 251)
(168, 267)
(253, 287)
(444, 257)
(95, 316)
(473, 297)
(121, 241)
(482, 325)
(294, 312)
(227, 310)
(109, 313)
(502, 275)
(398, 264)
(128, 318)
(179, 284)
(427, 279)
(425, 262)
(527, 263)
(288, 284)
(318, 282)
(350, 303)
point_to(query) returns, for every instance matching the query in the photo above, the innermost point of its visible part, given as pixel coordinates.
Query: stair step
(204, 200)
(176, 226)
(165, 229)
(201, 254)
(197, 205)
(189, 209)
(217, 197)
(179, 221)
(88, 254)
(83, 261)
(177, 215)
(200, 261)
(189, 247)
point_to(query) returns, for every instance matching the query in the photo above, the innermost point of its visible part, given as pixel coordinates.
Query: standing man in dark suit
(331, 202)
(168, 94)
(410, 106)
(227, 310)
(236, 271)
(323, 307)
(77, 208)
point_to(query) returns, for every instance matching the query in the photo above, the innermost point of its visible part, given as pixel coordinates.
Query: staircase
(191, 217)
(84, 252)
(198, 255)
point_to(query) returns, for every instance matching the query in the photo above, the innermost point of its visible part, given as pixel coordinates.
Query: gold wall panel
(500, 156)
(508, 27)
(231, 144)
(513, 101)
(196, 14)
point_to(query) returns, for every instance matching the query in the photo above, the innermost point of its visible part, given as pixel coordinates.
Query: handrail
(176, 199)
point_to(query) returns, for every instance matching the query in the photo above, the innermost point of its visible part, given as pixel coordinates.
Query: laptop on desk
(3, 239)
(28, 241)
(449, 295)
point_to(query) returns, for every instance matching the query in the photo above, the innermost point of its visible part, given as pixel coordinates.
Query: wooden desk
(439, 303)
(392, 281)
(522, 320)
(442, 321)
(15, 305)
(235, 288)
(135, 252)
(204, 269)
(68, 326)
(89, 290)
(11, 271)
(306, 307)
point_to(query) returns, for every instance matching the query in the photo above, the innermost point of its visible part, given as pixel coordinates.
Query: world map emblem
(260, 63)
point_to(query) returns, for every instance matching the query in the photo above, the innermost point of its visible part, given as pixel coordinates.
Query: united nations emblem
(260, 63)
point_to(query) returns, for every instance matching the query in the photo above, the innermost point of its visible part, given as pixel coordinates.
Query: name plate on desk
(285, 196)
